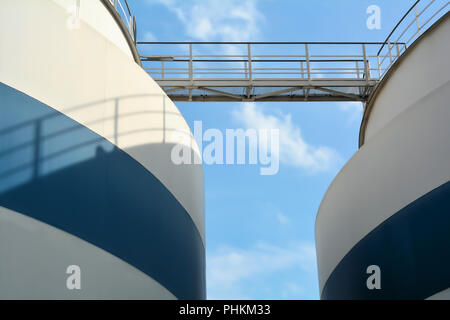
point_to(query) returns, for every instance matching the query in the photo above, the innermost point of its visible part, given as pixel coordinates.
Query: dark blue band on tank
(412, 249)
(59, 172)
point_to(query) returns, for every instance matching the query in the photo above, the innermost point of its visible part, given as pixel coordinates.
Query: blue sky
(260, 229)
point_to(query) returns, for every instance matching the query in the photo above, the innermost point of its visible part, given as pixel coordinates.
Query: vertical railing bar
(245, 69)
(302, 69)
(366, 67)
(130, 27)
(250, 70)
(417, 19)
(357, 69)
(390, 52)
(191, 73)
(162, 69)
(135, 31)
(131, 22)
(379, 67)
(250, 61)
(308, 66)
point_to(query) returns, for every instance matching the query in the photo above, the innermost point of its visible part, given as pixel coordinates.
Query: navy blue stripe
(412, 249)
(57, 171)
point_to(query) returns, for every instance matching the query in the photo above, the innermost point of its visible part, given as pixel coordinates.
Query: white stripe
(443, 295)
(35, 257)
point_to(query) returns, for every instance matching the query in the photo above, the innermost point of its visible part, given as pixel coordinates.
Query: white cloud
(148, 36)
(217, 20)
(354, 109)
(282, 219)
(291, 289)
(229, 270)
(293, 149)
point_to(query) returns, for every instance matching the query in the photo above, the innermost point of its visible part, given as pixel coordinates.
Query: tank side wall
(59, 172)
(43, 271)
(82, 74)
(404, 157)
(423, 70)
(95, 15)
(403, 162)
(410, 248)
(103, 105)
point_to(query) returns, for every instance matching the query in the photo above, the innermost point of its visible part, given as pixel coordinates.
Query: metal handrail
(259, 42)
(393, 43)
(397, 25)
(124, 11)
(360, 54)
(395, 47)
(263, 70)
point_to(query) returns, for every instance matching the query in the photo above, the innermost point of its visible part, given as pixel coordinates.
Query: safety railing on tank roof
(417, 20)
(261, 60)
(123, 9)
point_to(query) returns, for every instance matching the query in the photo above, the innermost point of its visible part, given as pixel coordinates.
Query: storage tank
(383, 227)
(87, 185)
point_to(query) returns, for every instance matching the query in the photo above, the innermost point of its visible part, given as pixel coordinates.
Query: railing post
(191, 72)
(162, 69)
(250, 70)
(379, 67)
(302, 69)
(245, 69)
(390, 52)
(308, 66)
(417, 20)
(250, 61)
(130, 27)
(366, 62)
(357, 69)
(134, 30)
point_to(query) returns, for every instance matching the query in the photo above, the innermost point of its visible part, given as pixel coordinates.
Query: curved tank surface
(383, 227)
(86, 177)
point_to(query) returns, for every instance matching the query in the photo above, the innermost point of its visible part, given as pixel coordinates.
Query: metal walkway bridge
(263, 71)
(279, 71)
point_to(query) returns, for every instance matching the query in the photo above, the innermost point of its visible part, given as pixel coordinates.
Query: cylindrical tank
(87, 185)
(386, 216)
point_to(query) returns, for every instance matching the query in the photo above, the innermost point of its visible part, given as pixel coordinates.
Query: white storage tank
(87, 185)
(383, 227)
